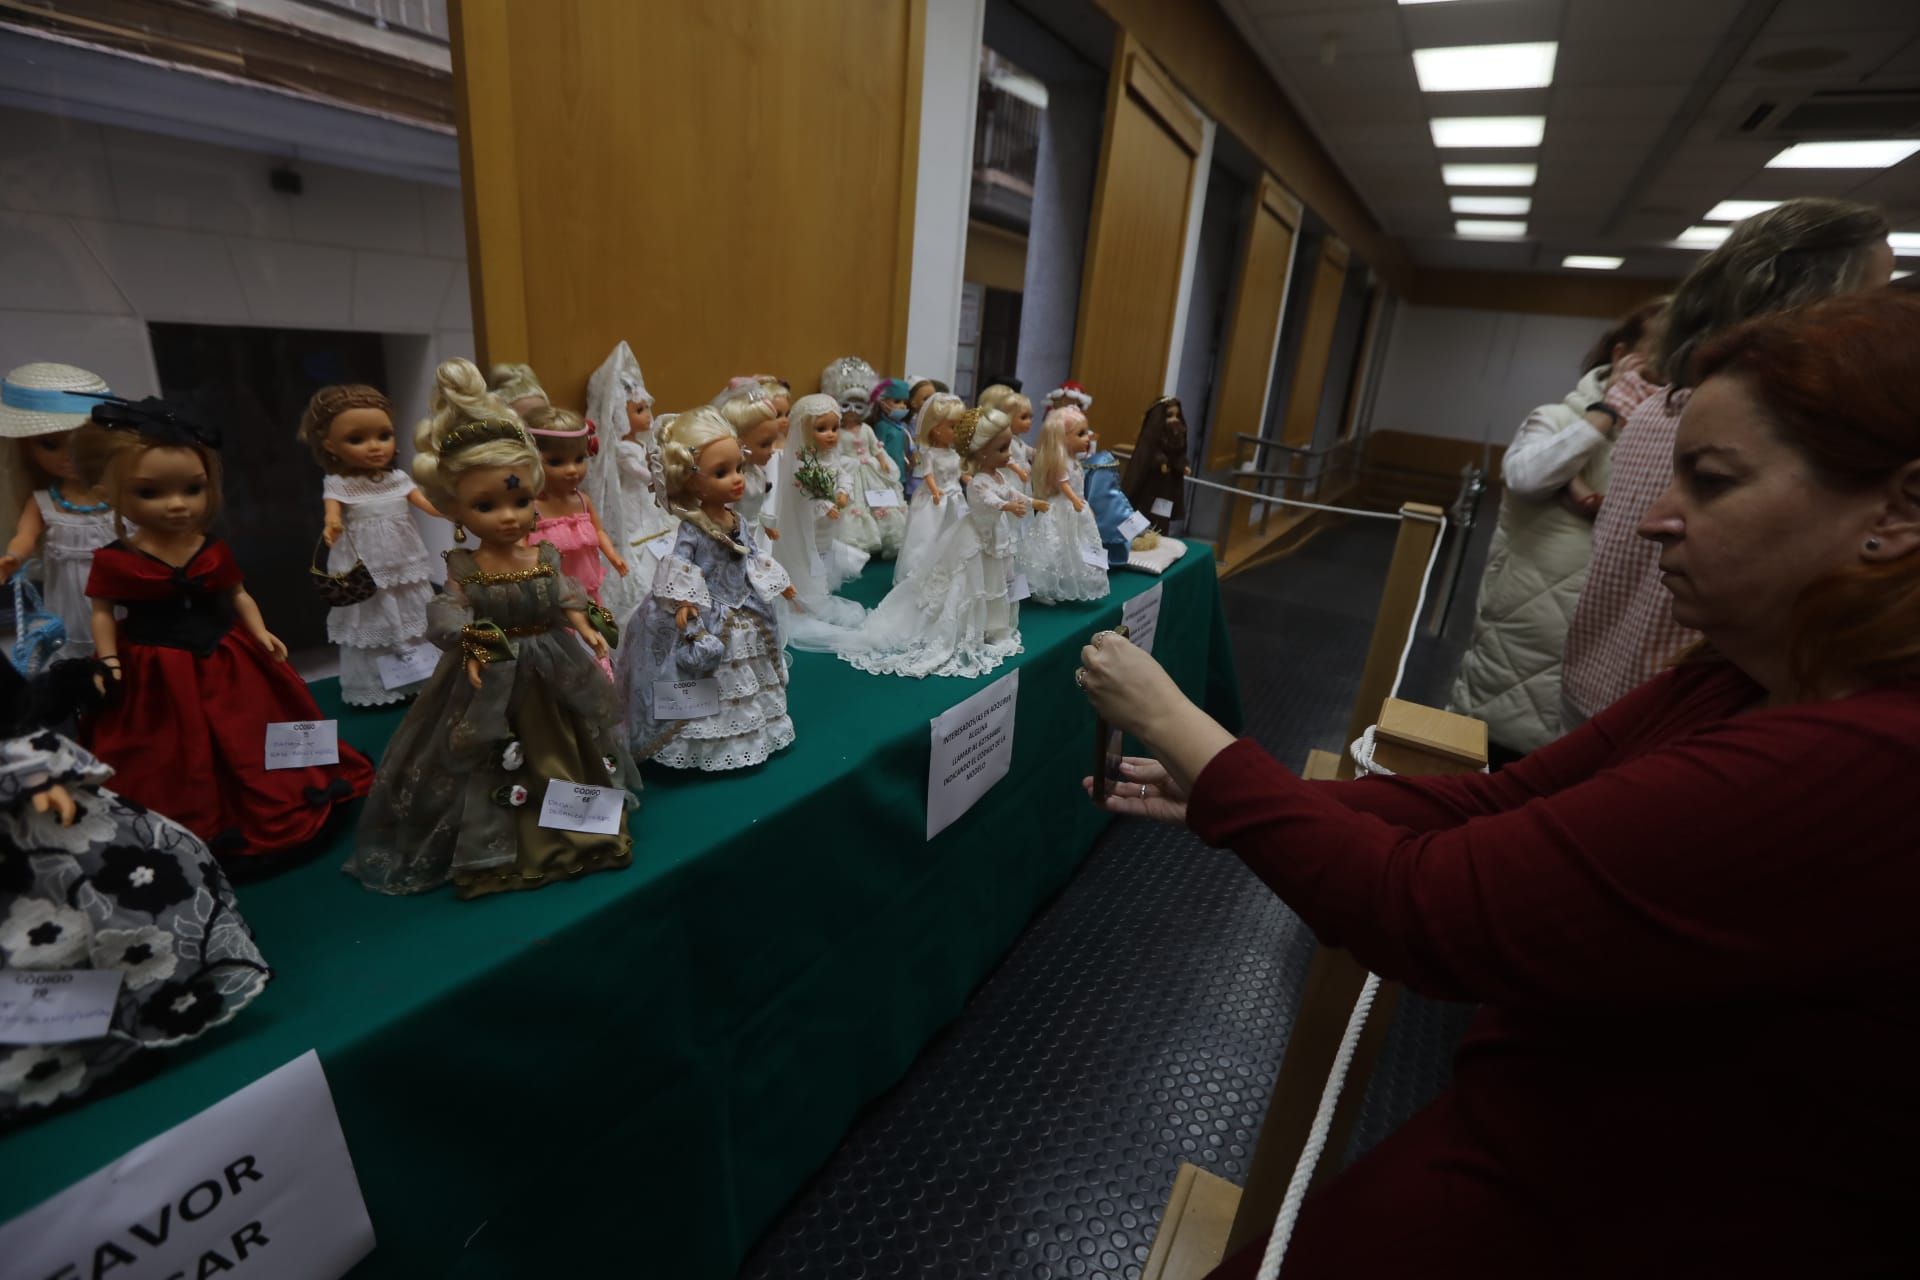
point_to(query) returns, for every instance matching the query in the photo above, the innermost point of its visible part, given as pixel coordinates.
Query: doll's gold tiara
(484, 431)
(964, 428)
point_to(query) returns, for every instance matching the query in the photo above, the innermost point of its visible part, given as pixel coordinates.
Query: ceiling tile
(1362, 33)
(1820, 17)
(1511, 22)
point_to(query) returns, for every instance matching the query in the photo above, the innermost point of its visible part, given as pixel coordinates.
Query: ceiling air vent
(1832, 114)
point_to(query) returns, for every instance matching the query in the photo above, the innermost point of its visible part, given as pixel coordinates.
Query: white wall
(1474, 375)
(949, 92)
(104, 228)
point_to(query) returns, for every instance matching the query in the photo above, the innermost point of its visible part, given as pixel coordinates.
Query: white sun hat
(39, 399)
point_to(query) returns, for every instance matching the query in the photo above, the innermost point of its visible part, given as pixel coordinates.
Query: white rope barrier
(1356, 1021)
(1270, 500)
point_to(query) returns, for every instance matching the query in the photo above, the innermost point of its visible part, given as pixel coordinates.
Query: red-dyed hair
(1840, 383)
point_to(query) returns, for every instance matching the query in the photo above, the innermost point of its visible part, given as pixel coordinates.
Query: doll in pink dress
(567, 443)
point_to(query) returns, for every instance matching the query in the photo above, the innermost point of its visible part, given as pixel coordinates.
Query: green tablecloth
(632, 1073)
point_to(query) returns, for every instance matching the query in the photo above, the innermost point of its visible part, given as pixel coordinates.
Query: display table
(632, 1073)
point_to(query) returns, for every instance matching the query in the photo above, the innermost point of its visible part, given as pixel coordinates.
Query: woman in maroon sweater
(1690, 921)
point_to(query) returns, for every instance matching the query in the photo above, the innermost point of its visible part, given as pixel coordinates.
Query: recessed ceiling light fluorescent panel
(1485, 229)
(1464, 68)
(1489, 175)
(1592, 262)
(1702, 237)
(1740, 210)
(1488, 131)
(1502, 206)
(1878, 154)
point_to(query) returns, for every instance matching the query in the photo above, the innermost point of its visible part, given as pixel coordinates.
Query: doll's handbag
(341, 589)
(37, 634)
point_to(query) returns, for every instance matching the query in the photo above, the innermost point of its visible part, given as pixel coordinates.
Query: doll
(707, 632)
(814, 445)
(366, 499)
(517, 703)
(759, 426)
(941, 500)
(888, 418)
(1061, 554)
(845, 375)
(568, 518)
(40, 406)
(624, 494)
(953, 615)
(918, 392)
(519, 387)
(814, 619)
(1020, 409)
(1155, 476)
(874, 516)
(91, 881)
(196, 676)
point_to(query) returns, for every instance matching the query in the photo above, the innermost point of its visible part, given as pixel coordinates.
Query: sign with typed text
(57, 1006)
(972, 750)
(579, 806)
(878, 498)
(1142, 617)
(302, 744)
(407, 665)
(1094, 557)
(1162, 507)
(259, 1186)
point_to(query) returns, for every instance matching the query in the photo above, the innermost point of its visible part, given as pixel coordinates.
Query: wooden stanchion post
(1420, 527)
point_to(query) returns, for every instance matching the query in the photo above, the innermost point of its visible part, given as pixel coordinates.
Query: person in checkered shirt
(1623, 631)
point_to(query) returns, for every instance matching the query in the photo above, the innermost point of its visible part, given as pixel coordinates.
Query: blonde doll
(1061, 554)
(519, 387)
(626, 493)
(517, 705)
(366, 499)
(874, 516)
(702, 675)
(814, 619)
(1019, 411)
(940, 499)
(953, 615)
(41, 405)
(568, 518)
(760, 427)
(809, 473)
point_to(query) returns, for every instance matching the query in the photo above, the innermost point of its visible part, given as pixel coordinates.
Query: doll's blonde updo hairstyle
(681, 442)
(748, 409)
(976, 428)
(329, 403)
(460, 397)
(1004, 398)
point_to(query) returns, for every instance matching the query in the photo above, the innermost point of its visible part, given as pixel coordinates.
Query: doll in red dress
(199, 677)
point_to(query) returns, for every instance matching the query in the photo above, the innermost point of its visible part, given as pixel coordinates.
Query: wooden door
(1260, 297)
(1316, 344)
(1136, 241)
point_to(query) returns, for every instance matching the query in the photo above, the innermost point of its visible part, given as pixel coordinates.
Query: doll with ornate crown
(702, 674)
(567, 516)
(874, 517)
(940, 500)
(196, 677)
(368, 501)
(953, 616)
(41, 405)
(517, 703)
(1062, 555)
(626, 494)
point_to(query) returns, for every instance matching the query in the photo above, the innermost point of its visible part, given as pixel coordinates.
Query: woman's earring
(1873, 544)
(459, 533)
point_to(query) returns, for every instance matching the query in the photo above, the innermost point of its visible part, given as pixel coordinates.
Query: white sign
(575, 806)
(1133, 526)
(770, 510)
(685, 699)
(1017, 588)
(882, 498)
(1162, 507)
(406, 666)
(658, 546)
(1142, 617)
(259, 1184)
(1095, 557)
(972, 750)
(57, 1006)
(301, 744)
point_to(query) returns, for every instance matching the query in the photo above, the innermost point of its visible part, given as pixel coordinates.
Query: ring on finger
(1098, 636)
(1143, 791)
(1080, 677)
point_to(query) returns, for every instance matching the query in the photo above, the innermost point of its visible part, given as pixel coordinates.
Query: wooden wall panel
(1136, 239)
(1316, 344)
(1538, 294)
(675, 174)
(1260, 296)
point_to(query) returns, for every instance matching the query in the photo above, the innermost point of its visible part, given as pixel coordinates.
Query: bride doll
(626, 493)
(701, 673)
(940, 500)
(815, 620)
(1061, 554)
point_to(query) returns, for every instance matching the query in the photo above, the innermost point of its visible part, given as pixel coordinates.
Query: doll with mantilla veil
(41, 405)
(953, 615)
(568, 518)
(799, 522)
(1062, 555)
(196, 677)
(367, 501)
(626, 493)
(701, 672)
(518, 702)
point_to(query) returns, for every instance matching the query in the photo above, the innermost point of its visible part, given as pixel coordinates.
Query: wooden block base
(1193, 1231)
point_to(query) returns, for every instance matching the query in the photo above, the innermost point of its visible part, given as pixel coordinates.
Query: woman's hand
(1126, 686)
(1144, 789)
(56, 799)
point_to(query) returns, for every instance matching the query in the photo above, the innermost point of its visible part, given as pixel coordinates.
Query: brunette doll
(367, 521)
(517, 703)
(196, 675)
(40, 407)
(1062, 555)
(568, 518)
(707, 632)
(1155, 477)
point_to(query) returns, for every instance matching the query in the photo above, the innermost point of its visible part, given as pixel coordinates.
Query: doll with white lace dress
(1061, 555)
(700, 672)
(940, 500)
(953, 615)
(799, 525)
(368, 503)
(626, 493)
(874, 518)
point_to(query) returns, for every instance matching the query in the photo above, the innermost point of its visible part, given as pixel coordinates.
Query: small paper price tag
(301, 744)
(882, 498)
(658, 546)
(576, 806)
(1018, 590)
(57, 1006)
(1133, 526)
(685, 699)
(1095, 557)
(407, 666)
(1162, 507)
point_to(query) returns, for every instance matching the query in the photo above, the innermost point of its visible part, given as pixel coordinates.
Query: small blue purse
(37, 634)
